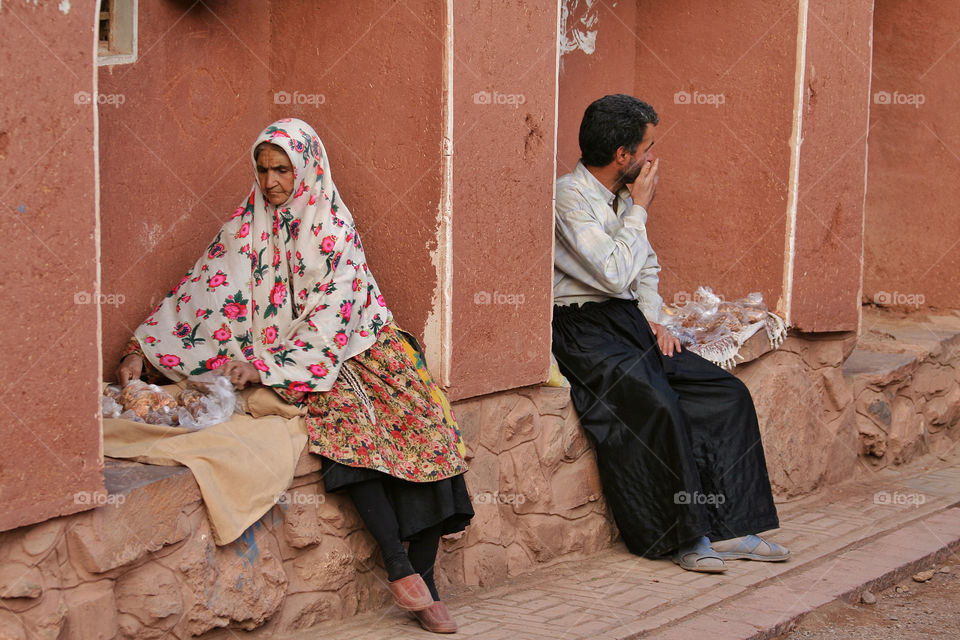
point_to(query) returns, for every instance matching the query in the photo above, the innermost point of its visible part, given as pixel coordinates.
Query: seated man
(678, 445)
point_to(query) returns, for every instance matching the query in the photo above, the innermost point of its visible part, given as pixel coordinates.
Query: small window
(118, 32)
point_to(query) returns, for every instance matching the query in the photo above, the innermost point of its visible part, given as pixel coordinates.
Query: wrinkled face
(275, 174)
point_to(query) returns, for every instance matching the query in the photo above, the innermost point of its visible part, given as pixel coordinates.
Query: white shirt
(600, 254)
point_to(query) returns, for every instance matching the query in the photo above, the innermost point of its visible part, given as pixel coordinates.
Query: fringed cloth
(725, 351)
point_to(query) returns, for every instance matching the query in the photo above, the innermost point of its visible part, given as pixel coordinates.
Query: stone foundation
(144, 565)
(905, 376)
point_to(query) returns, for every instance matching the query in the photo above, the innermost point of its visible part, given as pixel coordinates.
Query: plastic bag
(142, 402)
(110, 402)
(715, 328)
(208, 399)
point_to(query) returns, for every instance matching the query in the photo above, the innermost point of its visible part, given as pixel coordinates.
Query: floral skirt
(385, 413)
(386, 419)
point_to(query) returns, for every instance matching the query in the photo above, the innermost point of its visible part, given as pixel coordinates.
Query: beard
(630, 174)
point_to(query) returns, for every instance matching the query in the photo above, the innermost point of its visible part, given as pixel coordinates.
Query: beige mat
(242, 466)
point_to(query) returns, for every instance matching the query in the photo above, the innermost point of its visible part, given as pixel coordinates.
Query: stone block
(484, 474)
(842, 452)
(486, 524)
(492, 416)
(872, 439)
(10, 626)
(364, 548)
(790, 411)
(838, 393)
(531, 491)
(149, 601)
(250, 580)
(522, 423)
(39, 539)
(326, 567)
(819, 350)
(548, 400)
(91, 612)
(469, 416)
(518, 560)
(301, 517)
(45, 621)
(18, 580)
(449, 566)
(943, 411)
(338, 514)
(303, 610)
(549, 443)
(542, 535)
(906, 437)
(575, 484)
(930, 380)
(484, 564)
(147, 518)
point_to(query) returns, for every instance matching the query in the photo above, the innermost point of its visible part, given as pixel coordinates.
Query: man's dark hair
(612, 122)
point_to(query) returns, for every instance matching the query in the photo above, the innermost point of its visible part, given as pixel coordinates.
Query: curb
(774, 608)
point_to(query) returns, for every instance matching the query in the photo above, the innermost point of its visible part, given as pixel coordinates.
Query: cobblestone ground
(840, 539)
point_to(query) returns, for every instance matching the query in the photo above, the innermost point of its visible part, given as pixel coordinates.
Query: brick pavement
(861, 533)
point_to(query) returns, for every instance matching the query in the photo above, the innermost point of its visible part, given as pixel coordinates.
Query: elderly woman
(283, 297)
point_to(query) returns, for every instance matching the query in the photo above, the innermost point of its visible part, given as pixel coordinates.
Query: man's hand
(130, 368)
(667, 341)
(241, 373)
(645, 186)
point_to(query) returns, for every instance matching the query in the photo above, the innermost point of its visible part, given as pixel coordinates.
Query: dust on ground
(908, 610)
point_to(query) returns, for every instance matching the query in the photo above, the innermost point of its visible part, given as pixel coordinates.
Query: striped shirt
(600, 254)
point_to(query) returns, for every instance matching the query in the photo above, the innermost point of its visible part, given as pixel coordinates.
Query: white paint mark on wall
(153, 234)
(578, 26)
(64, 6)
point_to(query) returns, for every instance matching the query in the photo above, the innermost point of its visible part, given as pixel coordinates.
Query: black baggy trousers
(677, 439)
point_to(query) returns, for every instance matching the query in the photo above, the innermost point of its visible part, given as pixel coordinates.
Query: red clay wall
(828, 249)
(911, 256)
(380, 73)
(51, 454)
(175, 155)
(722, 78)
(503, 167)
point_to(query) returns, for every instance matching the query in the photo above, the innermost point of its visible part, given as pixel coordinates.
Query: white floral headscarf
(284, 287)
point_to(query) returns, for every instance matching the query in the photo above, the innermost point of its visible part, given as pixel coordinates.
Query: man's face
(275, 174)
(638, 158)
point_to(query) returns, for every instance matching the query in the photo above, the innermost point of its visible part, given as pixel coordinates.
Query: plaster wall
(174, 156)
(504, 96)
(831, 176)
(380, 74)
(51, 449)
(721, 77)
(910, 242)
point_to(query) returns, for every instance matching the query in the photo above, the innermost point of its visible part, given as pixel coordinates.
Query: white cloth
(600, 254)
(284, 287)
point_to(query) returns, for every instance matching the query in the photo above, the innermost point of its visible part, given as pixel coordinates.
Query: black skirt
(677, 439)
(418, 505)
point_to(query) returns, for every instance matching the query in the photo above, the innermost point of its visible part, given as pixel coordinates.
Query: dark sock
(377, 513)
(423, 556)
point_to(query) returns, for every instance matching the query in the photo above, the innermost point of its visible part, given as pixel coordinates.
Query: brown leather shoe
(437, 618)
(411, 593)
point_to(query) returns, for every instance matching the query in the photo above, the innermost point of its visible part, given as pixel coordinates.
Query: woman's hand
(241, 373)
(131, 368)
(667, 341)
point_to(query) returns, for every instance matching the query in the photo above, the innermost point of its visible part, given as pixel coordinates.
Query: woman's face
(275, 174)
